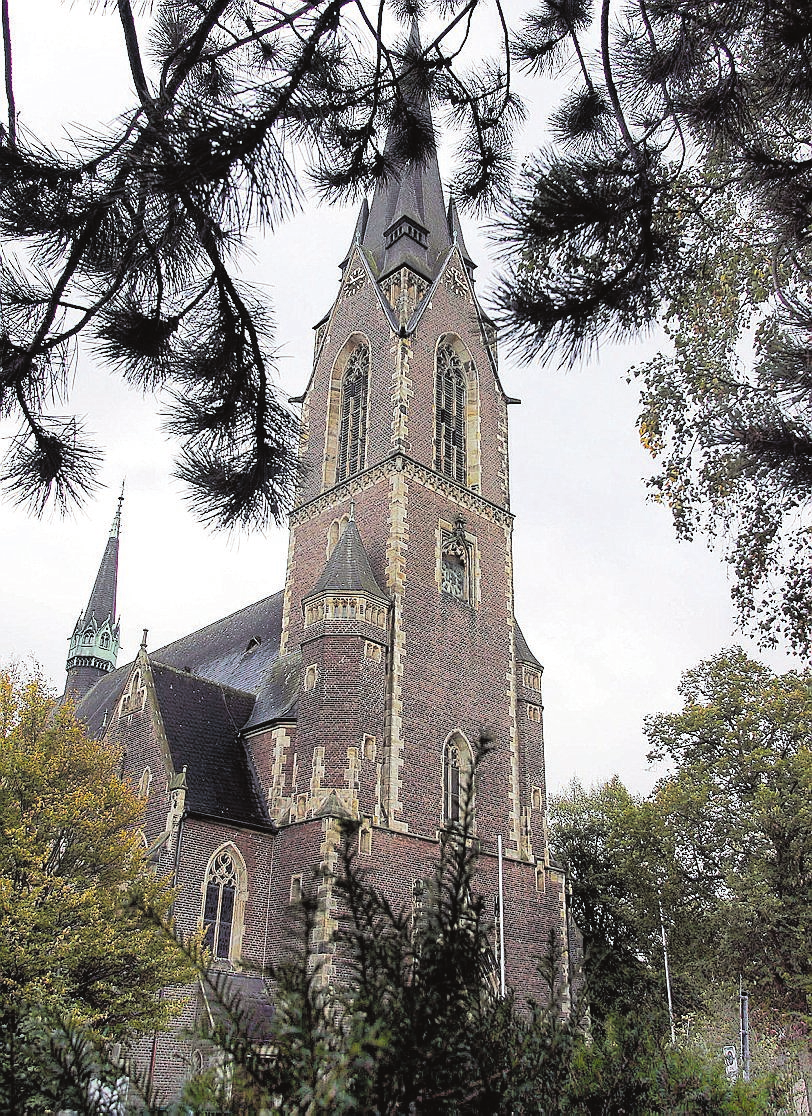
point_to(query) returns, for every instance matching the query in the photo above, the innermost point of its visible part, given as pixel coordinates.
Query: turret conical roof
(348, 569)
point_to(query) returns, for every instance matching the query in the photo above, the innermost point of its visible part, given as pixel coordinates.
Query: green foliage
(738, 807)
(725, 413)
(412, 1023)
(677, 191)
(723, 842)
(81, 966)
(609, 840)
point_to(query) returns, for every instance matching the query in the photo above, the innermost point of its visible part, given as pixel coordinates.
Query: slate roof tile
(219, 652)
(202, 720)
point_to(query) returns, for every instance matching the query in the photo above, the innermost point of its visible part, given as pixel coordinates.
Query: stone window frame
(468, 471)
(534, 712)
(296, 887)
(335, 411)
(233, 950)
(144, 783)
(334, 533)
(457, 778)
(134, 698)
(365, 838)
(455, 536)
(531, 678)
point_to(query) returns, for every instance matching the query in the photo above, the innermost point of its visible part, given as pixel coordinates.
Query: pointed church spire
(407, 224)
(95, 640)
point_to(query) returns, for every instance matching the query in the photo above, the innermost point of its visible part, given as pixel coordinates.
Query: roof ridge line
(219, 620)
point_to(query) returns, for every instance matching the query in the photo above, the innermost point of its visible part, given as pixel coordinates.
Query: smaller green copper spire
(95, 641)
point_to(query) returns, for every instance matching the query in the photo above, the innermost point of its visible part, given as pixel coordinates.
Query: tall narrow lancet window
(352, 431)
(450, 410)
(457, 779)
(219, 905)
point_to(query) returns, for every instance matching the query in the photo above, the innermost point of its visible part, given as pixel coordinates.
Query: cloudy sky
(611, 604)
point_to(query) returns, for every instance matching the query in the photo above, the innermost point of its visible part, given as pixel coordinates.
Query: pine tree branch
(134, 54)
(8, 71)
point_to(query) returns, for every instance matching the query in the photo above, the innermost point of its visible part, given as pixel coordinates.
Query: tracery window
(352, 432)
(450, 415)
(456, 563)
(219, 905)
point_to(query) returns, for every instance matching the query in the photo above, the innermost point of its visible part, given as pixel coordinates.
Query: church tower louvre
(95, 640)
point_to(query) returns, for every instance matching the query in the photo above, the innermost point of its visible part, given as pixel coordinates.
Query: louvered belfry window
(218, 910)
(352, 432)
(450, 405)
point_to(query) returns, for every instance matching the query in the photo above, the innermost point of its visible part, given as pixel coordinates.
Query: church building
(364, 686)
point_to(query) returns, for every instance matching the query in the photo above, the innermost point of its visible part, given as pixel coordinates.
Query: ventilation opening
(252, 645)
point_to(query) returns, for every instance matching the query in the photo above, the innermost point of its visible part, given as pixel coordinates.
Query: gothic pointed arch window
(223, 903)
(451, 404)
(457, 771)
(352, 430)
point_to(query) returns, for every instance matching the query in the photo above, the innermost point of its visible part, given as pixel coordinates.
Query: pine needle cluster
(130, 244)
(678, 190)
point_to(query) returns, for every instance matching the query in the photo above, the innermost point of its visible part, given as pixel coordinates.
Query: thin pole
(667, 973)
(744, 1016)
(501, 920)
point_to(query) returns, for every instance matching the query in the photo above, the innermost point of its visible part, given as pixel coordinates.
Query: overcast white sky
(611, 604)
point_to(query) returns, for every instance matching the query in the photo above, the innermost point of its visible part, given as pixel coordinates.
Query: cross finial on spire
(115, 529)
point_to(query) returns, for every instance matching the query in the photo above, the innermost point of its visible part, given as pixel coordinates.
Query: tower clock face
(453, 577)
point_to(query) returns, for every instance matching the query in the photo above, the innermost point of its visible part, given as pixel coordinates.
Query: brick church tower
(367, 686)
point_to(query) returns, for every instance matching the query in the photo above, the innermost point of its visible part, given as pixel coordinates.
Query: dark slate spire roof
(358, 233)
(348, 569)
(102, 602)
(523, 652)
(95, 640)
(407, 224)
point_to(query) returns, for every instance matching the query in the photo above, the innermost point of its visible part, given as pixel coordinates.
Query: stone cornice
(401, 463)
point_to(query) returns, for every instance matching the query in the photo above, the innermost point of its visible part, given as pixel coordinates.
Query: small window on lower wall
(365, 839)
(533, 713)
(296, 888)
(541, 879)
